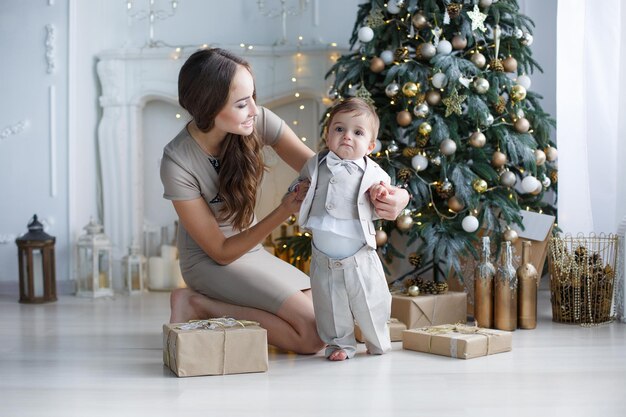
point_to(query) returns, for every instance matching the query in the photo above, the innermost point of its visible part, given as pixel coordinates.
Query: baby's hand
(378, 192)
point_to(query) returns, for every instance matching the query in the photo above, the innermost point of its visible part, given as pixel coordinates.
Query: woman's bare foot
(182, 306)
(338, 355)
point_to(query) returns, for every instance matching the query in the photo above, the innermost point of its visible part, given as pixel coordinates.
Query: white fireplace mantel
(130, 78)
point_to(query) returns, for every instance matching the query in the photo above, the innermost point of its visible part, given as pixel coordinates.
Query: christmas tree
(460, 128)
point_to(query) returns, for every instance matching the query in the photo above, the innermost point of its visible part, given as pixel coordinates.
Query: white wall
(85, 28)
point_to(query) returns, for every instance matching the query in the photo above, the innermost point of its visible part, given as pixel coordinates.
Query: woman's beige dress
(257, 279)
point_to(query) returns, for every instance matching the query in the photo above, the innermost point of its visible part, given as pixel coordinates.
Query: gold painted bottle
(505, 299)
(483, 287)
(527, 281)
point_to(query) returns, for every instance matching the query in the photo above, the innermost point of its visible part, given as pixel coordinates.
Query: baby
(347, 277)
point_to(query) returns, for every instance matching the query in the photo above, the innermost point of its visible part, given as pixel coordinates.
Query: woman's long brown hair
(203, 87)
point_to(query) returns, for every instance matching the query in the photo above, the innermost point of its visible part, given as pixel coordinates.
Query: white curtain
(591, 115)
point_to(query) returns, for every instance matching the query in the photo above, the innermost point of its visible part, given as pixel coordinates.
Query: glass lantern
(135, 266)
(35, 252)
(95, 264)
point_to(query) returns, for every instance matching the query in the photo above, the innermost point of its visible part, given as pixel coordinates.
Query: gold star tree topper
(453, 103)
(478, 19)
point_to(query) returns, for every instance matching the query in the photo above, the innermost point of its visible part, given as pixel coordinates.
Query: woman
(211, 171)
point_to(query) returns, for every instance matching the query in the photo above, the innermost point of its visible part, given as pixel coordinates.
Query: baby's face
(350, 136)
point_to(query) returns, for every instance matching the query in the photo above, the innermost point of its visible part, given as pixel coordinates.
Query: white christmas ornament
(527, 39)
(444, 47)
(365, 34)
(392, 7)
(546, 182)
(439, 80)
(524, 81)
(387, 57)
(529, 184)
(470, 224)
(419, 162)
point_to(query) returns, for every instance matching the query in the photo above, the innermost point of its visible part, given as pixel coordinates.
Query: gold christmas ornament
(498, 159)
(403, 118)
(540, 157)
(404, 222)
(377, 65)
(413, 291)
(496, 65)
(551, 153)
(477, 139)
(424, 128)
(522, 125)
(419, 21)
(455, 204)
(478, 59)
(481, 85)
(433, 97)
(509, 64)
(510, 235)
(453, 103)
(518, 93)
(459, 42)
(381, 238)
(410, 89)
(479, 185)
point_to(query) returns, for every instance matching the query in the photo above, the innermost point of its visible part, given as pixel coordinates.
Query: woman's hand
(293, 199)
(389, 205)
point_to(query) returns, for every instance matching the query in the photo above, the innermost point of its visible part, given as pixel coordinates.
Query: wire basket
(582, 278)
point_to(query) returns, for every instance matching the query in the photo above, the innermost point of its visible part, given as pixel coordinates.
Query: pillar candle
(157, 273)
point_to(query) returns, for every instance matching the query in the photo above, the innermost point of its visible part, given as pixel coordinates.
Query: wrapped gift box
(429, 310)
(457, 341)
(215, 347)
(396, 327)
(537, 230)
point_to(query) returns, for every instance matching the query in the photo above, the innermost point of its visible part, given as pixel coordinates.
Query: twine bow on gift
(458, 328)
(213, 324)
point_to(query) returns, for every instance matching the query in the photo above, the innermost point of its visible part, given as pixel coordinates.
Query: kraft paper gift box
(457, 341)
(396, 327)
(215, 347)
(429, 310)
(537, 230)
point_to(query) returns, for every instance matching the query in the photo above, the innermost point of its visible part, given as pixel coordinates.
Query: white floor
(79, 357)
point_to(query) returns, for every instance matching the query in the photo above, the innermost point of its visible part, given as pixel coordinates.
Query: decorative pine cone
(415, 260)
(401, 54)
(554, 177)
(441, 287)
(454, 10)
(410, 152)
(421, 141)
(444, 193)
(496, 65)
(500, 106)
(404, 174)
(609, 272)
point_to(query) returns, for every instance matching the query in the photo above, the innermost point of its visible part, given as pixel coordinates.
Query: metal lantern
(35, 252)
(134, 265)
(95, 267)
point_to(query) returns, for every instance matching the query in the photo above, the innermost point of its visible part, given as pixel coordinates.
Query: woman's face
(239, 113)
